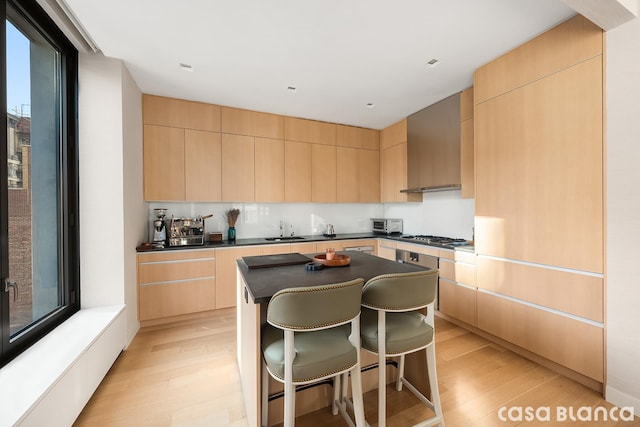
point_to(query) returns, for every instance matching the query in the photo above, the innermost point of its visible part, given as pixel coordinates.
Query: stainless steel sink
(284, 238)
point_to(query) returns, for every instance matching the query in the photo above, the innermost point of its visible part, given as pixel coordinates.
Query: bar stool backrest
(401, 291)
(315, 307)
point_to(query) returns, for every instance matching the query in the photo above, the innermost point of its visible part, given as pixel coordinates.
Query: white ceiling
(339, 54)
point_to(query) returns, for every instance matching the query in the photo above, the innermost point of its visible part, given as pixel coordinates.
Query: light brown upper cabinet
(347, 174)
(252, 123)
(312, 131)
(466, 144)
(202, 165)
(355, 137)
(163, 163)
(368, 176)
(358, 175)
(323, 173)
(178, 113)
(393, 164)
(230, 154)
(579, 40)
(297, 171)
(269, 170)
(238, 168)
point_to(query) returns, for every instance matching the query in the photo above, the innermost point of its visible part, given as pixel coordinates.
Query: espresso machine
(159, 228)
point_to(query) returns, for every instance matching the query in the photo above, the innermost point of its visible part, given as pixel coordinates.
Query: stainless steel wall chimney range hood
(433, 147)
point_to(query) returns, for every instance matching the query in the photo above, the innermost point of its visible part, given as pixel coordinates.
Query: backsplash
(443, 214)
(440, 214)
(263, 219)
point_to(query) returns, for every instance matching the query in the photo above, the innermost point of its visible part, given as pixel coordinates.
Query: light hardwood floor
(185, 374)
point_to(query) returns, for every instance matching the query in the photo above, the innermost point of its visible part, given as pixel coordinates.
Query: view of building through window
(18, 158)
(32, 140)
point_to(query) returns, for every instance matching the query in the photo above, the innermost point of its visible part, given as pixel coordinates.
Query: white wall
(440, 214)
(135, 209)
(623, 215)
(110, 194)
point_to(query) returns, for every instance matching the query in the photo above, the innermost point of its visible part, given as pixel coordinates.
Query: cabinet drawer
(167, 271)
(175, 255)
(457, 301)
(421, 249)
(457, 272)
(575, 293)
(466, 257)
(465, 273)
(569, 342)
(447, 269)
(172, 299)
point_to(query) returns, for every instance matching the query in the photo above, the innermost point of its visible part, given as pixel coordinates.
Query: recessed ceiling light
(433, 62)
(292, 89)
(370, 105)
(185, 67)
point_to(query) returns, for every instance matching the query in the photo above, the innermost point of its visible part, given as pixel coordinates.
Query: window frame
(67, 182)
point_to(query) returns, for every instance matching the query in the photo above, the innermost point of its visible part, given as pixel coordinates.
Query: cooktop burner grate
(437, 240)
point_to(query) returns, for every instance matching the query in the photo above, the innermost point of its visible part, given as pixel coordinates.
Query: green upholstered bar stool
(390, 325)
(312, 334)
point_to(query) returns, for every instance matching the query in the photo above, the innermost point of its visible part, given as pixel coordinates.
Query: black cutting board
(277, 260)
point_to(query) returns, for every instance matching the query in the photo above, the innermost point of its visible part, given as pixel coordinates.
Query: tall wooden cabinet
(539, 201)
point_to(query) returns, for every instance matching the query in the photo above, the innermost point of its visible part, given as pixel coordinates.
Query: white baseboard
(620, 399)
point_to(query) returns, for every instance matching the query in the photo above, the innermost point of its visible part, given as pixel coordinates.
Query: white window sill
(34, 380)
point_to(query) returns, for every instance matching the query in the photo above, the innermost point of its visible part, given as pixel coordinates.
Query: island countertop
(262, 283)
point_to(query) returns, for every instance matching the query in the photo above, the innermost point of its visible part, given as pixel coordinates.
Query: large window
(39, 266)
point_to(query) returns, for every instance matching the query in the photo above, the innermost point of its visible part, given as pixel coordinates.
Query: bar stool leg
(358, 401)
(265, 396)
(289, 387)
(337, 395)
(433, 382)
(382, 370)
(400, 373)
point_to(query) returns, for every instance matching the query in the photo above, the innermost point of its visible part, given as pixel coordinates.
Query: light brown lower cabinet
(226, 260)
(386, 249)
(458, 301)
(176, 283)
(567, 341)
(457, 286)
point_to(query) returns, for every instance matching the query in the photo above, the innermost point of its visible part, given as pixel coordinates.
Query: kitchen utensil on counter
(187, 231)
(329, 231)
(338, 260)
(159, 227)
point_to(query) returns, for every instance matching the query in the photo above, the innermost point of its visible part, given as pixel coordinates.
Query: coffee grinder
(159, 227)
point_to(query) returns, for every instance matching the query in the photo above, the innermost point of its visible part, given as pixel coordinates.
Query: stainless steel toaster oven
(386, 225)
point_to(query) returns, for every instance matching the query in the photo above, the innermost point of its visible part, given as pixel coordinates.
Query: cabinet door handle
(246, 296)
(11, 284)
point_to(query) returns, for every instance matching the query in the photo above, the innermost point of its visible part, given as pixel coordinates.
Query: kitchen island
(254, 289)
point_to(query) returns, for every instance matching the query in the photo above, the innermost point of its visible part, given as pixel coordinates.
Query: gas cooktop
(443, 242)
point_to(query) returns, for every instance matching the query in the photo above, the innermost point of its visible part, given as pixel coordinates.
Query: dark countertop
(264, 282)
(306, 239)
(262, 241)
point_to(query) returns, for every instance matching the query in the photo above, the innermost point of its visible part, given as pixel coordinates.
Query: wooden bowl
(337, 261)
